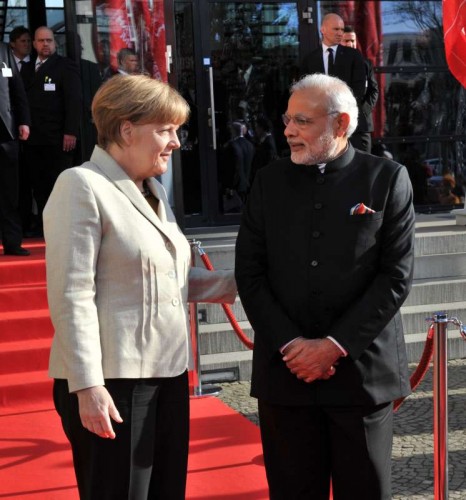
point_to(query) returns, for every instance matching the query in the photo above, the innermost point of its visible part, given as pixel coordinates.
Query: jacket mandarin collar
(342, 161)
(121, 180)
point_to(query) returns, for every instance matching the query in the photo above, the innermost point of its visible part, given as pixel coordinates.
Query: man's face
(130, 64)
(21, 47)
(44, 43)
(316, 141)
(332, 30)
(349, 39)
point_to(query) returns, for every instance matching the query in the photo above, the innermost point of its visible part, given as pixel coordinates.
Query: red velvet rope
(423, 365)
(226, 307)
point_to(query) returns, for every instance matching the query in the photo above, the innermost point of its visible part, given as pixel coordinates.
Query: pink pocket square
(361, 209)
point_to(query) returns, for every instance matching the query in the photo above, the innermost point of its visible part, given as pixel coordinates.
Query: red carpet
(225, 459)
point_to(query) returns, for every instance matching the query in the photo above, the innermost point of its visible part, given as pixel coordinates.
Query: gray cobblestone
(412, 458)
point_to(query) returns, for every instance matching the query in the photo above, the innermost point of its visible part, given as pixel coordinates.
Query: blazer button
(175, 302)
(315, 234)
(314, 263)
(320, 180)
(171, 274)
(318, 206)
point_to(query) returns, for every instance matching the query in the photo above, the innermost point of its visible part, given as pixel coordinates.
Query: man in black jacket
(55, 97)
(361, 138)
(324, 260)
(14, 124)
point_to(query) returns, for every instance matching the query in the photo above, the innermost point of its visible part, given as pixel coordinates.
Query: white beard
(325, 151)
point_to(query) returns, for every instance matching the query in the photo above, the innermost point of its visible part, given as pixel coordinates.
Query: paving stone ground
(412, 458)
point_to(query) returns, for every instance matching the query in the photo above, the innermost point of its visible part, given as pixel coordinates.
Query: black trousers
(10, 221)
(148, 459)
(44, 164)
(306, 447)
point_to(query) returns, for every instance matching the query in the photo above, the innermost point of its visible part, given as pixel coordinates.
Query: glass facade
(234, 61)
(422, 106)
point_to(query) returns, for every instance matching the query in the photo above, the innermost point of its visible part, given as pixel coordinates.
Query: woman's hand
(96, 406)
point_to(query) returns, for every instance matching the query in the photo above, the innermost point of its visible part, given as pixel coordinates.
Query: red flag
(454, 21)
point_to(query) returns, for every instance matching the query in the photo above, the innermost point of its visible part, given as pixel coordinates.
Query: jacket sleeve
(211, 286)
(18, 97)
(372, 90)
(358, 327)
(72, 228)
(358, 76)
(72, 97)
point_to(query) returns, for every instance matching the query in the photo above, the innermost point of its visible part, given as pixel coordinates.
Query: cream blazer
(119, 278)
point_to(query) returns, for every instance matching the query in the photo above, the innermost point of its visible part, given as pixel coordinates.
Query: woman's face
(152, 145)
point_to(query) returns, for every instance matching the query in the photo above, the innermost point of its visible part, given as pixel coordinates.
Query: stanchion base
(206, 390)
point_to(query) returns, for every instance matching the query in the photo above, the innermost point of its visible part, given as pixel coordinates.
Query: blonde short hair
(138, 99)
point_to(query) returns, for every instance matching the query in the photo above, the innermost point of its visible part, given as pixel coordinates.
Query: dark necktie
(330, 61)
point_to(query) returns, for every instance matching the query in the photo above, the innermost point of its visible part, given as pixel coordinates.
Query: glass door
(235, 63)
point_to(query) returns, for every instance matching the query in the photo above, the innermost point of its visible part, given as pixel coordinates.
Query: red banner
(454, 20)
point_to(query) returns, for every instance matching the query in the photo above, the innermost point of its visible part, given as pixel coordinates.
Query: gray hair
(340, 98)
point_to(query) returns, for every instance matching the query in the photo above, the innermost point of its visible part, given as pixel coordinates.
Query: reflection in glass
(254, 53)
(188, 133)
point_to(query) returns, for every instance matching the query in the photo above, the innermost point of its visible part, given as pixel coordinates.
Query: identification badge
(49, 87)
(6, 71)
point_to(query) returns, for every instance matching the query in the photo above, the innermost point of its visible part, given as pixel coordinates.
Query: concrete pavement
(413, 467)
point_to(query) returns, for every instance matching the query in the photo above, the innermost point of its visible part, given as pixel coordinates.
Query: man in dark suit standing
(55, 97)
(361, 138)
(337, 60)
(14, 124)
(324, 260)
(21, 46)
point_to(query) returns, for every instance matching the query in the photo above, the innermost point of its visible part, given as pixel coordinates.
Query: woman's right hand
(96, 406)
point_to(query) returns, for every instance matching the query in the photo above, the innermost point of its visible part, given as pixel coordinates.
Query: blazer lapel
(118, 176)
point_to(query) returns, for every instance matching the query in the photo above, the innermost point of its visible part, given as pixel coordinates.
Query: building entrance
(236, 61)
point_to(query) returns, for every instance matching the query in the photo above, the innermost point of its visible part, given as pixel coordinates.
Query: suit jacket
(348, 66)
(55, 98)
(14, 109)
(306, 267)
(119, 278)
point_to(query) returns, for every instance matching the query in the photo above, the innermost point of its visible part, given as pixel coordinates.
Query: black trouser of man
(25, 192)
(148, 459)
(306, 447)
(362, 141)
(45, 163)
(10, 221)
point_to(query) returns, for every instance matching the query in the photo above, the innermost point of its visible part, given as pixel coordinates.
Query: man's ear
(126, 131)
(342, 123)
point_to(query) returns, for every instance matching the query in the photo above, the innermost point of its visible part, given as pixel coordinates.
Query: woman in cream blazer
(119, 280)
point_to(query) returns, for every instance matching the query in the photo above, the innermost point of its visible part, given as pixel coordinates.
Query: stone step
(437, 291)
(440, 266)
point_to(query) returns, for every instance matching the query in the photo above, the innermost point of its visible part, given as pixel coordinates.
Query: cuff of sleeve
(342, 349)
(283, 347)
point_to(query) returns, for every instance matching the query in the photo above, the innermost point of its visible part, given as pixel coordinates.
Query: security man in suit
(361, 138)
(324, 260)
(337, 60)
(14, 124)
(21, 47)
(55, 98)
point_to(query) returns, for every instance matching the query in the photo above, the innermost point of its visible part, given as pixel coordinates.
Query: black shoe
(22, 252)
